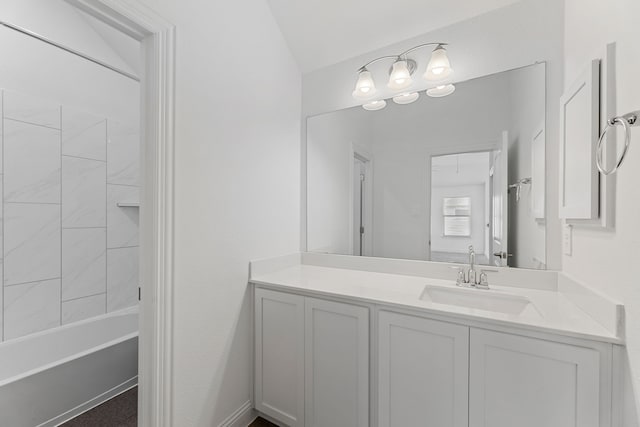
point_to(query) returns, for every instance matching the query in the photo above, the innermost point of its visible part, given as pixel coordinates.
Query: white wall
(331, 140)
(237, 187)
(62, 23)
(527, 104)
(518, 35)
(607, 260)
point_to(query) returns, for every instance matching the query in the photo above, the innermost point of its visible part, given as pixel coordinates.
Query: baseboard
(242, 417)
(90, 404)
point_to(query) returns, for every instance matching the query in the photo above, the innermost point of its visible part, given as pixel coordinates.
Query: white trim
(157, 38)
(241, 417)
(92, 403)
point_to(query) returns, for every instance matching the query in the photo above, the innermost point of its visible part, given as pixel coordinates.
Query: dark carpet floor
(261, 422)
(121, 411)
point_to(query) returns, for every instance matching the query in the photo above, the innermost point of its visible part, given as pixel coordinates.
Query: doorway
(362, 205)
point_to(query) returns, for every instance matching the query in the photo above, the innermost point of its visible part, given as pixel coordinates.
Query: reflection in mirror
(429, 179)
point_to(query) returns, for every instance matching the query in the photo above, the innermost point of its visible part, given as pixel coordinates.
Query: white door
(279, 370)
(422, 372)
(526, 382)
(499, 173)
(336, 364)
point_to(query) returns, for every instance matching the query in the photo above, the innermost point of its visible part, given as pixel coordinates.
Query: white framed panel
(336, 364)
(527, 382)
(279, 356)
(579, 133)
(423, 368)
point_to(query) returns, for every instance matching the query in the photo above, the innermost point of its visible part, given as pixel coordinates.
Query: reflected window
(457, 216)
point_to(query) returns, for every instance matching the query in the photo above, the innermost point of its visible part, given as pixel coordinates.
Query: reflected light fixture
(375, 105)
(406, 98)
(365, 87)
(400, 76)
(440, 91)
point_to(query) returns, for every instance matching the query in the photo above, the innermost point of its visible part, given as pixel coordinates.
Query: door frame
(480, 147)
(362, 153)
(157, 38)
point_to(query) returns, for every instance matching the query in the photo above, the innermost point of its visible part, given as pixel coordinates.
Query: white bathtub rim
(124, 311)
(34, 371)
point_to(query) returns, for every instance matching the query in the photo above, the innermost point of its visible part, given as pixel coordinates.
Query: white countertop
(550, 311)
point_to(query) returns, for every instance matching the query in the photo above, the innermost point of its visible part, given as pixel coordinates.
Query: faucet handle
(461, 280)
(483, 280)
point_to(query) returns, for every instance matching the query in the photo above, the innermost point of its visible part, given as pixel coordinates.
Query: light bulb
(440, 91)
(439, 67)
(375, 105)
(365, 87)
(406, 98)
(400, 77)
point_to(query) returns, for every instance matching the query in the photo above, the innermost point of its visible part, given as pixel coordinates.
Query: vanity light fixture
(400, 76)
(439, 67)
(375, 105)
(440, 91)
(406, 98)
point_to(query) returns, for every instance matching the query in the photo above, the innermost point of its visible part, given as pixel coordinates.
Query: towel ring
(626, 121)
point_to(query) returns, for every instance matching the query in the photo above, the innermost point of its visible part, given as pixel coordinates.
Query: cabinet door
(526, 382)
(422, 372)
(336, 364)
(279, 376)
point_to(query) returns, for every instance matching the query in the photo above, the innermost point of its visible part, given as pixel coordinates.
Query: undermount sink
(476, 298)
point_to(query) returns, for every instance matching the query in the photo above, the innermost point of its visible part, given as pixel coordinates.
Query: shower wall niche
(69, 252)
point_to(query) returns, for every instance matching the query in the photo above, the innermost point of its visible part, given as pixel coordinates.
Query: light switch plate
(567, 239)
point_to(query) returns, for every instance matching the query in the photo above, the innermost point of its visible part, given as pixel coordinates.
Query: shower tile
(31, 307)
(31, 242)
(122, 278)
(84, 189)
(32, 163)
(30, 109)
(83, 308)
(83, 134)
(122, 223)
(84, 262)
(123, 153)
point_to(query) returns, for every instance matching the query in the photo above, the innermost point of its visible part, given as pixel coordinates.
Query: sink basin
(476, 298)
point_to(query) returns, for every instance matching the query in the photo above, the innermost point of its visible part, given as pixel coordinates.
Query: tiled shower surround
(69, 252)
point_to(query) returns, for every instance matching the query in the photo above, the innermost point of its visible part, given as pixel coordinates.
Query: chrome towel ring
(626, 121)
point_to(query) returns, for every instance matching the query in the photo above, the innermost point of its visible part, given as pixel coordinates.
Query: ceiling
(324, 32)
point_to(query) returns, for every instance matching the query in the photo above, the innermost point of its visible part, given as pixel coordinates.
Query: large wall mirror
(428, 180)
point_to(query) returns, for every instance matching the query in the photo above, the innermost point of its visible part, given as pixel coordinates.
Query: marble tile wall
(68, 251)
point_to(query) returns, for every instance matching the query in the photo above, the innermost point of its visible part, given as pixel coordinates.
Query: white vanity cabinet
(313, 369)
(527, 382)
(422, 372)
(312, 360)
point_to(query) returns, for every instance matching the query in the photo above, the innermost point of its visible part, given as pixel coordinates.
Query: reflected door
(359, 207)
(499, 212)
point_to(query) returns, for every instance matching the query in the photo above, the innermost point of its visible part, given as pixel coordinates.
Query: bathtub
(52, 376)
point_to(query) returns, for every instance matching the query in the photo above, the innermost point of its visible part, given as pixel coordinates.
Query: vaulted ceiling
(324, 32)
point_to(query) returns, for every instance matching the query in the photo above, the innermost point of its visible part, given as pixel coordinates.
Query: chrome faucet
(471, 274)
(471, 278)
